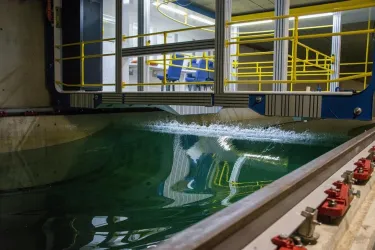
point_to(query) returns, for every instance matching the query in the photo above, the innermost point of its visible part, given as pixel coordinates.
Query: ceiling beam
(330, 7)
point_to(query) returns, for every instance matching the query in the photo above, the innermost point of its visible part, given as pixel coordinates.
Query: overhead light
(169, 8)
(252, 23)
(109, 19)
(313, 16)
(200, 19)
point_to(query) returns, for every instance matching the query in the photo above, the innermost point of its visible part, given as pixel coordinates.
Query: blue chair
(201, 75)
(173, 73)
(210, 78)
(211, 66)
(193, 64)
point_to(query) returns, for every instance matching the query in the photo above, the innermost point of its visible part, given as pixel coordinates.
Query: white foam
(270, 134)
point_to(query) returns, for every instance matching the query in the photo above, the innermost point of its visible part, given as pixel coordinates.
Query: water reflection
(155, 182)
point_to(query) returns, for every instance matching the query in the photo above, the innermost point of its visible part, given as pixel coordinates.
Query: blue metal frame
(260, 107)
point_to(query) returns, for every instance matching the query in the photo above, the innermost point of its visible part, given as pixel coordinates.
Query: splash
(269, 134)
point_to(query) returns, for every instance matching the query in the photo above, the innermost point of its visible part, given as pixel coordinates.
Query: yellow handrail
(300, 81)
(318, 65)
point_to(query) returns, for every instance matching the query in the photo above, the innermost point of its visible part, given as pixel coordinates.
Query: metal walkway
(227, 75)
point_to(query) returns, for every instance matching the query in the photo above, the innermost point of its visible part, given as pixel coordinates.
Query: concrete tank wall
(22, 80)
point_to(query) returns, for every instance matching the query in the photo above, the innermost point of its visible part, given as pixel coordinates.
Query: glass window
(185, 72)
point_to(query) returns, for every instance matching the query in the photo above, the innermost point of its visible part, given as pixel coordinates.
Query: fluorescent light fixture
(169, 8)
(109, 19)
(313, 16)
(202, 20)
(252, 23)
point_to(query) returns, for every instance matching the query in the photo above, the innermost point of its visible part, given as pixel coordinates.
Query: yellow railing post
(295, 47)
(165, 62)
(206, 59)
(237, 46)
(367, 46)
(82, 63)
(328, 77)
(260, 79)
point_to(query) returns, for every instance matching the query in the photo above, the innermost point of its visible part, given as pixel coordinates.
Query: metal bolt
(284, 236)
(332, 203)
(96, 97)
(357, 111)
(258, 99)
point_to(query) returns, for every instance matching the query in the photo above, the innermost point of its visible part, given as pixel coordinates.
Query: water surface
(133, 187)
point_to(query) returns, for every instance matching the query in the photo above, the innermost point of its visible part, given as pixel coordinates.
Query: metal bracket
(306, 230)
(348, 177)
(355, 193)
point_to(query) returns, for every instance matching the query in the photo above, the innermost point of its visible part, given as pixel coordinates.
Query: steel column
(141, 31)
(143, 24)
(280, 55)
(118, 46)
(126, 31)
(222, 52)
(234, 50)
(336, 51)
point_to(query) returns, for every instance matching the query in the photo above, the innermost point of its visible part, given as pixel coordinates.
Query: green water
(133, 187)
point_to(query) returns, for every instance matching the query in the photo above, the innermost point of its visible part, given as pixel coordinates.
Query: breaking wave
(268, 134)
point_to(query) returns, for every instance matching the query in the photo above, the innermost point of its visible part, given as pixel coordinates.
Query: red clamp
(283, 242)
(3, 114)
(338, 200)
(363, 170)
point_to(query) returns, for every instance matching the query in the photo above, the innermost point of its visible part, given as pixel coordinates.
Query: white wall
(22, 79)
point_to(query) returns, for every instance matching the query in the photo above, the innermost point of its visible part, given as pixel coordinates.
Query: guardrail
(239, 224)
(295, 38)
(318, 65)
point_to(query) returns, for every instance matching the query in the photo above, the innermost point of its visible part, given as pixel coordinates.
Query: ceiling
(254, 6)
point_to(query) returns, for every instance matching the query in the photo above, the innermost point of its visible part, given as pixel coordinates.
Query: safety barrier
(164, 82)
(82, 58)
(319, 61)
(320, 64)
(314, 64)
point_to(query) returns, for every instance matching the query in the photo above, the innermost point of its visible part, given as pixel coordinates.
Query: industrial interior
(186, 124)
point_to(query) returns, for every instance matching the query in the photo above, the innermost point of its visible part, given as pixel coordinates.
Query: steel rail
(239, 224)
